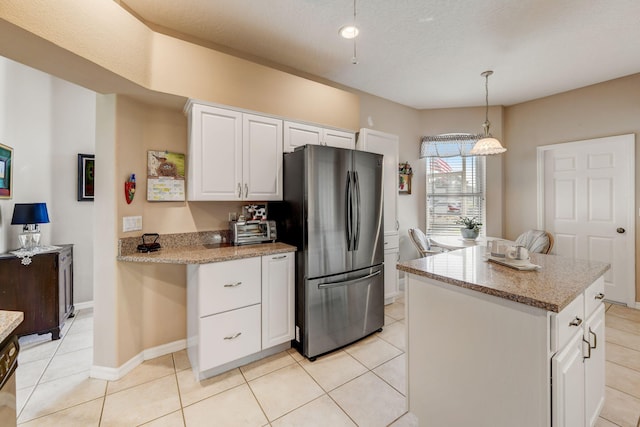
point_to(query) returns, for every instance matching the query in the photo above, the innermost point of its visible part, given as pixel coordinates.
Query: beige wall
(605, 109)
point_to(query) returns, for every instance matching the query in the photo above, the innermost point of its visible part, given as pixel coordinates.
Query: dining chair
(423, 244)
(536, 241)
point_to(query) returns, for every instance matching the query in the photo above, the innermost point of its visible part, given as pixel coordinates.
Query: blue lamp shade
(30, 213)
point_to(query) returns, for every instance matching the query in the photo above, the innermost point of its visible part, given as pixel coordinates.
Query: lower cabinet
(391, 274)
(578, 368)
(238, 311)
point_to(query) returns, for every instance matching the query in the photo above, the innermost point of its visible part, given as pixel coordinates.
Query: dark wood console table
(42, 290)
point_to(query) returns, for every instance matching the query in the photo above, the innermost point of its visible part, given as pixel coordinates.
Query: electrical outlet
(131, 223)
(233, 216)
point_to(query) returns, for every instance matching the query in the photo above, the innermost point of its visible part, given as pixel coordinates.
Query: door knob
(620, 230)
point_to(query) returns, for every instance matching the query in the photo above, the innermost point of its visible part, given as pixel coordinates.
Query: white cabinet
(238, 311)
(277, 299)
(387, 145)
(578, 368)
(233, 155)
(299, 134)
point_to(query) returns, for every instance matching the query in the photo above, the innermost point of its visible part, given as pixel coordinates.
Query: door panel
(326, 211)
(370, 246)
(342, 309)
(589, 195)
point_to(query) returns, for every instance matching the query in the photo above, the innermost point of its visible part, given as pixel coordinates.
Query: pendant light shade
(488, 145)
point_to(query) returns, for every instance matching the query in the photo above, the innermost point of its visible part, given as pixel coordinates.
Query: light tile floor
(361, 385)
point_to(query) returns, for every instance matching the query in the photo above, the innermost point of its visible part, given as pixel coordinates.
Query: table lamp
(30, 215)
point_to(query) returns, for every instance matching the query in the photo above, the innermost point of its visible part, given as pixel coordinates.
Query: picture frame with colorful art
(6, 171)
(404, 184)
(86, 177)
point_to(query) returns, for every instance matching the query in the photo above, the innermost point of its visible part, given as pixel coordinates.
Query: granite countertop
(202, 254)
(9, 321)
(552, 287)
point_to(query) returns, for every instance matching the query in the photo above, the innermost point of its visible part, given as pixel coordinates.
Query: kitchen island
(489, 345)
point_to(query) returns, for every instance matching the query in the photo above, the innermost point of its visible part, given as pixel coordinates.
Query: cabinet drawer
(593, 296)
(229, 285)
(229, 336)
(565, 324)
(391, 241)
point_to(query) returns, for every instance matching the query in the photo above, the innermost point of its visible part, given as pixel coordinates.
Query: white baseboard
(83, 305)
(113, 374)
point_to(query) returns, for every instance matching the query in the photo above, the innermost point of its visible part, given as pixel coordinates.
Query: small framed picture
(86, 165)
(404, 184)
(6, 169)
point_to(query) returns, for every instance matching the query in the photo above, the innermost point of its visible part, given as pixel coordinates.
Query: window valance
(448, 145)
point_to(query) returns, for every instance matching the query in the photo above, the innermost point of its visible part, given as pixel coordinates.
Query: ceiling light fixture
(488, 145)
(350, 32)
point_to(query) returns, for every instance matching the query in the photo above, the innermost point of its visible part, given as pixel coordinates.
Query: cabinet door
(594, 366)
(262, 154)
(567, 389)
(387, 145)
(391, 290)
(215, 154)
(65, 283)
(277, 299)
(338, 138)
(298, 134)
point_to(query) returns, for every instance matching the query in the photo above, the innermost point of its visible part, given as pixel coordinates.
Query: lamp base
(29, 238)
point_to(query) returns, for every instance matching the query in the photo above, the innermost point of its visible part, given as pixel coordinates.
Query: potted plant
(471, 227)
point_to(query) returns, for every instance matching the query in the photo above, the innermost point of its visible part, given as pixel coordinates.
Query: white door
(277, 299)
(262, 153)
(567, 390)
(586, 199)
(215, 154)
(338, 138)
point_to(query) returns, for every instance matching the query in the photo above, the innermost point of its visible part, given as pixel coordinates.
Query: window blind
(455, 188)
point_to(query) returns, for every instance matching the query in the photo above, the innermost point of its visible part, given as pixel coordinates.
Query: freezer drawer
(342, 309)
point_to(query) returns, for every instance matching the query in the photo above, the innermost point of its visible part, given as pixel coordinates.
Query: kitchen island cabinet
(42, 290)
(511, 347)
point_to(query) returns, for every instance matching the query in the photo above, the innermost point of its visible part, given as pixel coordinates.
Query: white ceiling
(424, 54)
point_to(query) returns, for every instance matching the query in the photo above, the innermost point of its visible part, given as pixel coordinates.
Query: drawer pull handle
(595, 339)
(234, 336)
(279, 257)
(600, 295)
(232, 285)
(576, 322)
(588, 356)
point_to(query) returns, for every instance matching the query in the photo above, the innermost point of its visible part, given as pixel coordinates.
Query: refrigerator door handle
(348, 282)
(356, 238)
(348, 214)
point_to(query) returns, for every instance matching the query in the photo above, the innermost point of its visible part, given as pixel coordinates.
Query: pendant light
(488, 145)
(351, 32)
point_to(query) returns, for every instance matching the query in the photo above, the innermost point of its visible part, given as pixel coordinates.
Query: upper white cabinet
(233, 155)
(299, 134)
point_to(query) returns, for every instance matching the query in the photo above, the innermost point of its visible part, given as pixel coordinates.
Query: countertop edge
(594, 274)
(9, 321)
(198, 254)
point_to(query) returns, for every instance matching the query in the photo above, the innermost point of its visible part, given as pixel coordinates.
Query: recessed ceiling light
(349, 31)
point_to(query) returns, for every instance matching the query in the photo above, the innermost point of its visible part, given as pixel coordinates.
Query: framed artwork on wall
(86, 169)
(6, 170)
(404, 178)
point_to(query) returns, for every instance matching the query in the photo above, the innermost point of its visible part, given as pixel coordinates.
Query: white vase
(469, 233)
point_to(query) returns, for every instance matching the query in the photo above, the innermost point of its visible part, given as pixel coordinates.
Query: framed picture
(404, 184)
(6, 171)
(86, 177)
(405, 172)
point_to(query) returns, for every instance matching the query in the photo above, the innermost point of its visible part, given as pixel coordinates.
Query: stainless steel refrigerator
(332, 213)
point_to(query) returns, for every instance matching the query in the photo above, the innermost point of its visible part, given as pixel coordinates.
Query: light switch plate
(131, 223)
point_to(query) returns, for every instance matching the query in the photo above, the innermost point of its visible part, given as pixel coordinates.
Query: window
(455, 188)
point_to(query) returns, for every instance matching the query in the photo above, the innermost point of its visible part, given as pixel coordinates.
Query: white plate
(518, 266)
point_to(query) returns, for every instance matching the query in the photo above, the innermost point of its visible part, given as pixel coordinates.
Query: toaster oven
(248, 232)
